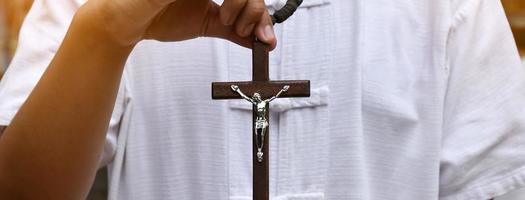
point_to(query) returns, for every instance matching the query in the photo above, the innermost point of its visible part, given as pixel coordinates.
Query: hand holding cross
(262, 87)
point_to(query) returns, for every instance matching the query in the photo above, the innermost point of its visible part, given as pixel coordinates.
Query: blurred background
(516, 13)
(12, 13)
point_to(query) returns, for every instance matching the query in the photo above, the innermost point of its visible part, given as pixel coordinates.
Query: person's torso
(370, 130)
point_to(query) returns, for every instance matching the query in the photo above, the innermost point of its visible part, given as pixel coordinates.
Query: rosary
(264, 91)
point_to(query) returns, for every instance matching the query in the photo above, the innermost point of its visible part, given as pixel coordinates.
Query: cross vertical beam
(261, 170)
(260, 62)
(261, 84)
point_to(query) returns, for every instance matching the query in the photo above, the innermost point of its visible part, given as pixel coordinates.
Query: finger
(249, 17)
(230, 10)
(264, 30)
(215, 28)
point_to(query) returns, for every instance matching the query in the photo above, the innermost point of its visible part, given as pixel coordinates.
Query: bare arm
(285, 88)
(236, 88)
(56, 138)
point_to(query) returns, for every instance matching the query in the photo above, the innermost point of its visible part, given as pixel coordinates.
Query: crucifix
(264, 91)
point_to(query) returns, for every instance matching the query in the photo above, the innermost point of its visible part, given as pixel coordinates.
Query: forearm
(52, 147)
(246, 97)
(243, 95)
(275, 97)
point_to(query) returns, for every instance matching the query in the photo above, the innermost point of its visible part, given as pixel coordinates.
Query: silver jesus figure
(261, 123)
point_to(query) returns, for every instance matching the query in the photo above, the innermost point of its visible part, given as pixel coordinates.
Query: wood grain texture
(260, 62)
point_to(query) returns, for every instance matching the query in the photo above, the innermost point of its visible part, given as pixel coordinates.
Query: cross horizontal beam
(267, 89)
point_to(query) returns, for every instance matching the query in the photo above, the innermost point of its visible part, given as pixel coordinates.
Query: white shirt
(411, 99)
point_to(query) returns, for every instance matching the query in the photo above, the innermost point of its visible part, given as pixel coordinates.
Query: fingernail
(268, 32)
(248, 30)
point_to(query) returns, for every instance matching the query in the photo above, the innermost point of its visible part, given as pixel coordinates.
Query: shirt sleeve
(42, 33)
(483, 153)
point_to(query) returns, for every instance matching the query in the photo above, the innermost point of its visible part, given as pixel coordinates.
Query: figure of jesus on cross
(261, 123)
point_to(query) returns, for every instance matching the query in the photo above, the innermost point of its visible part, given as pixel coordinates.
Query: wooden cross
(261, 84)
